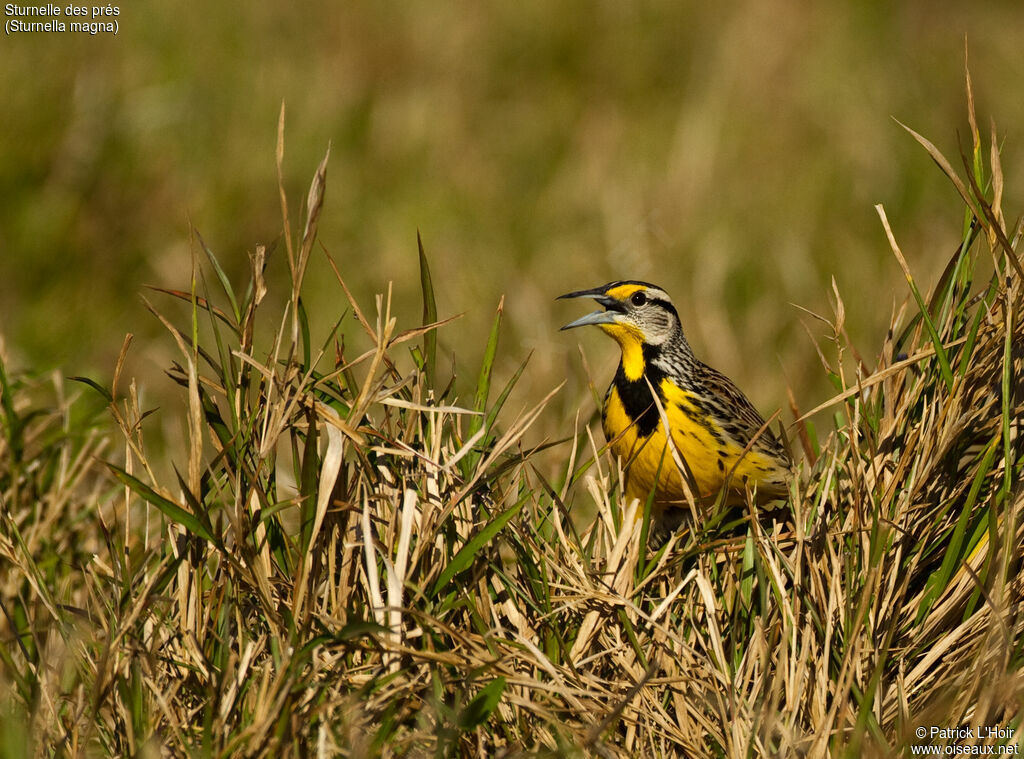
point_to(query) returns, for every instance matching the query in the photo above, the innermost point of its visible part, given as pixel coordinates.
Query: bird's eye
(638, 299)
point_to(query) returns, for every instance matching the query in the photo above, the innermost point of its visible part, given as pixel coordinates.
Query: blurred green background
(731, 153)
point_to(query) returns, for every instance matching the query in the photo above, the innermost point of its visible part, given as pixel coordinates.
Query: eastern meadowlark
(721, 439)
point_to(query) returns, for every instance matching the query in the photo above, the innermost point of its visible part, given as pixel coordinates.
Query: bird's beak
(609, 316)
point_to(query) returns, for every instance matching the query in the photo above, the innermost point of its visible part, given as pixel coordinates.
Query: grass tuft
(344, 559)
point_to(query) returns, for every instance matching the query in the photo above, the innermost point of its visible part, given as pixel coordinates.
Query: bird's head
(634, 312)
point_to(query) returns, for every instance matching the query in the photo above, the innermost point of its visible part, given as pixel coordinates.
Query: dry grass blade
(946, 167)
(279, 161)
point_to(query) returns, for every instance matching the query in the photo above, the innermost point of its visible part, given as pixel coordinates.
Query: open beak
(608, 316)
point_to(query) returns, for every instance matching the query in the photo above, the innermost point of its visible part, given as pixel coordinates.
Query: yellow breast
(707, 453)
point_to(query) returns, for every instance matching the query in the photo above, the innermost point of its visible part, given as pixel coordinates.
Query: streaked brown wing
(736, 414)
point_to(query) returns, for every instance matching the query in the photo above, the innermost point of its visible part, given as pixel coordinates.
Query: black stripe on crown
(619, 282)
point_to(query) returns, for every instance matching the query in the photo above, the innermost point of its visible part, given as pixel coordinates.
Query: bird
(722, 441)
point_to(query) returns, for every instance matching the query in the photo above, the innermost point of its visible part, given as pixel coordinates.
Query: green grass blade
(464, 557)
(1008, 410)
(169, 508)
(309, 479)
(12, 422)
(483, 385)
(304, 334)
(483, 388)
(479, 709)
(492, 412)
(951, 560)
(933, 334)
(968, 349)
(429, 314)
(225, 283)
(747, 570)
(631, 636)
(86, 381)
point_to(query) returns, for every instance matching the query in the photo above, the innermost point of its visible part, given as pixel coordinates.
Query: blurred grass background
(730, 153)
